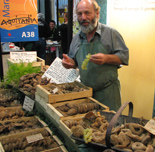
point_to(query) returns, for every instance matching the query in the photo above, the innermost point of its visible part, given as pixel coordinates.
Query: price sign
(150, 126)
(33, 138)
(28, 104)
(28, 56)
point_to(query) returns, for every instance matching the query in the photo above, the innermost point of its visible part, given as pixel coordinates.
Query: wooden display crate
(63, 126)
(77, 118)
(57, 149)
(55, 114)
(20, 125)
(9, 98)
(53, 98)
(23, 136)
(11, 113)
(40, 62)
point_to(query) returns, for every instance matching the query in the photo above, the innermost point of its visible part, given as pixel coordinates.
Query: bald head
(89, 3)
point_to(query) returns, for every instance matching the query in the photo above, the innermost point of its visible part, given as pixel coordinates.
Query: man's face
(52, 25)
(87, 17)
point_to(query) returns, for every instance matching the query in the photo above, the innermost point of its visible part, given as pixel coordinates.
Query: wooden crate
(21, 136)
(14, 125)
(48, 108)
(53, 98)
(6, 111)
(78, 118)
(9, 98)
(40, 62)
(57, 149)
(55, 114)
(63, 126)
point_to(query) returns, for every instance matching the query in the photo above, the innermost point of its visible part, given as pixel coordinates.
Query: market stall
(69, 112)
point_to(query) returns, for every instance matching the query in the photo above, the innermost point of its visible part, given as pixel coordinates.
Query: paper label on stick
(55, 90)
(28, 104)
(150, 126)
(1, 148)
(33, 138)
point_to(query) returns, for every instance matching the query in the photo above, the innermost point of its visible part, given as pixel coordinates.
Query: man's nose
(83, 16)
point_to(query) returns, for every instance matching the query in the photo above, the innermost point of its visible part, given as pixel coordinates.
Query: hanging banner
(18, 20)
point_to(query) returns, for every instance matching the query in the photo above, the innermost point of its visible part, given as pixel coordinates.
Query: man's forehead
(84, 2)
(89, 1)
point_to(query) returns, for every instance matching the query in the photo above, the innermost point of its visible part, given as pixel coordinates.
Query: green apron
(102, 78)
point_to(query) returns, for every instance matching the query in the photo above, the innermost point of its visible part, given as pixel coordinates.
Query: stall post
(154, 106)
(70, 22)
(1, 63)
(58, 15)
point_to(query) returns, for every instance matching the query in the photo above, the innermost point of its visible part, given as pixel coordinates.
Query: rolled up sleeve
(119, 47)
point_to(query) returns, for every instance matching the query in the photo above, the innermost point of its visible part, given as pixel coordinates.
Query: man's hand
(68, 62)
(101, 58)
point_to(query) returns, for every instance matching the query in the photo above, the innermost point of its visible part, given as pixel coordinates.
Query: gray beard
(90, 27)
(87, 29)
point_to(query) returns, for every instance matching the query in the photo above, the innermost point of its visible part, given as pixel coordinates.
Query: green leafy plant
(16, 70)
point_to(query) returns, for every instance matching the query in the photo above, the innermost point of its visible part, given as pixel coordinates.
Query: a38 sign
(28, 34)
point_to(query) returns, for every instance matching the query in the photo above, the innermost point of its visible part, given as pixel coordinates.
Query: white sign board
(25, 56)
(58, 74)
(28, 104)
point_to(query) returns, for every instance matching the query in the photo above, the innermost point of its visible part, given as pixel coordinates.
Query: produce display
(54, 88)
(14, 128)
(29, 82)
(19, 142)
(19, 125)
(11, 113)
(16, 70)
(69, 109)
(9, 98)
(128, 137)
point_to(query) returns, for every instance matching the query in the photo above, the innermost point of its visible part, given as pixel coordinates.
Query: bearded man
(108, 52)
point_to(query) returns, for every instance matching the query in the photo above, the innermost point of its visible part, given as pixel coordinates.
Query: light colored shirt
(110, 38)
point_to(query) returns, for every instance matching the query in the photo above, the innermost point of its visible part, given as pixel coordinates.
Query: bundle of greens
(16, 70)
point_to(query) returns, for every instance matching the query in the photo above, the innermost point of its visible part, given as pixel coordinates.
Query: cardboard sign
(18, 20)
(33, 138)
(28, 104)
(29, 56)
(150, 126)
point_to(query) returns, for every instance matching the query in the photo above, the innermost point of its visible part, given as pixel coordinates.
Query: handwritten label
(58, 74)
(29, 56)
(1, 148)
(33, 138)
(55, 90)
(28, 104)
(150, 126)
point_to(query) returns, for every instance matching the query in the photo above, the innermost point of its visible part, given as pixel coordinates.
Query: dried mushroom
(20, 143)
(29, 82)
(73, 109)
